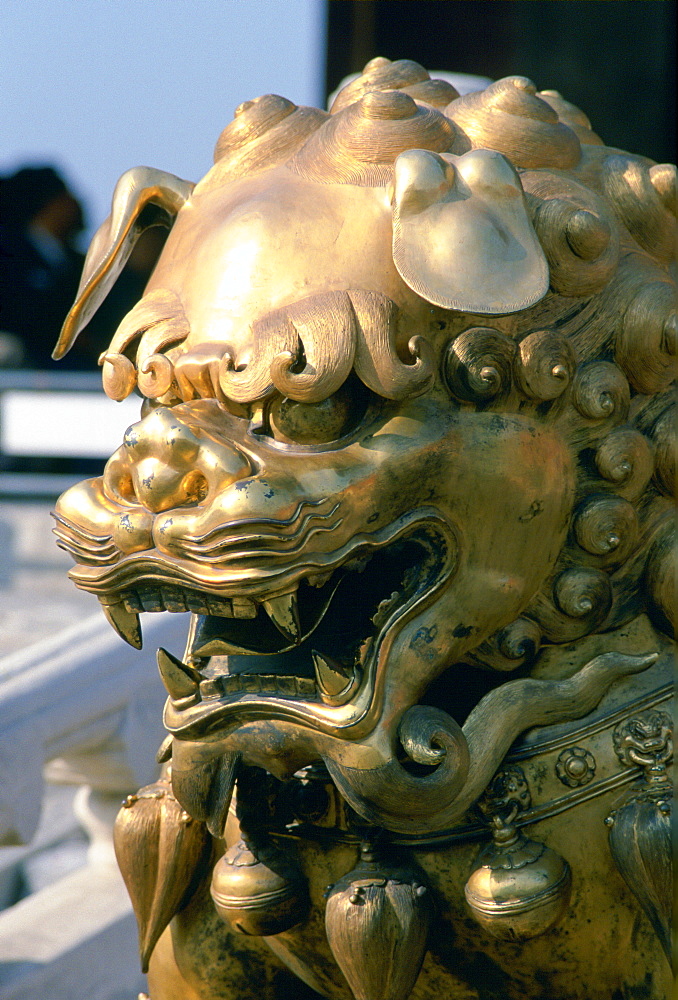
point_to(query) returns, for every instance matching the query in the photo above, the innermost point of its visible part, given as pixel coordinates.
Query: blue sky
(98, 86)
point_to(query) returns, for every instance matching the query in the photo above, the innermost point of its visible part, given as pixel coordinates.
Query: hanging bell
(640, 830)
(160, 850)
(518, 888)
(377, 921)
(259, 891)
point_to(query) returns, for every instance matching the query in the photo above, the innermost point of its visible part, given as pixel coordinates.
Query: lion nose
(166, 463)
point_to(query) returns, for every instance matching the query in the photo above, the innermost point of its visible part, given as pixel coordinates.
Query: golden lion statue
(405, 456)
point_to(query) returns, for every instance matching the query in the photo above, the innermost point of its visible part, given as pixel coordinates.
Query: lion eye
(317, 423)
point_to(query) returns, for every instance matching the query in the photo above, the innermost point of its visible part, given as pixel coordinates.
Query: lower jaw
(218, 712)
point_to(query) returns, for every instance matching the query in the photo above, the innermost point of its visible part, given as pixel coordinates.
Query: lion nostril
(194, 487)
(125, 488)
(160, 487)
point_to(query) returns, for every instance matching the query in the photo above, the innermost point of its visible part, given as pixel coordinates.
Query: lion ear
(462, 238)
(143, 197)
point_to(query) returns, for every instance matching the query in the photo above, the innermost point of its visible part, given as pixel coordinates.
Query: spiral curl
(360, 144)
(545, 365)
(607, 527)
(581, 245)
(600, 391)
(119, 376)
(509, 116)
(571, 115)
(663, 178)
(478, 364)
(155, 376)
(514, 645)
(663, 436)
(391, 795)
(264, 131)
(661, 572)
(625, 459)
(645, 209)
(645, 334)
(583, 593)
(575, 604)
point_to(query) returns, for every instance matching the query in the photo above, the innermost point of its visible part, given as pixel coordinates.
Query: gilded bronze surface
(405, 455)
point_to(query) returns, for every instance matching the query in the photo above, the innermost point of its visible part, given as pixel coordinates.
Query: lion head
(405, 370)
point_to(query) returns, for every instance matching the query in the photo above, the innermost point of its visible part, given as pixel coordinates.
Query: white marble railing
(80, 708)
(55, 414)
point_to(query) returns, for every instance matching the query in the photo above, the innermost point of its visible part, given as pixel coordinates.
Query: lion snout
(164, 464)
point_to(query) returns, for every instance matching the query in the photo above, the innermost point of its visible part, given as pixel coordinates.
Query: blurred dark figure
(40, 266)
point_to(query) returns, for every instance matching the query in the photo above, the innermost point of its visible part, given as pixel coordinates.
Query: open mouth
(308, 648)
(315, 643)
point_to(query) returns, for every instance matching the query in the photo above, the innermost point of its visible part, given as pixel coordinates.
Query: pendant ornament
(160, 849)
(518, 888)
(377, 921)
(640, 829)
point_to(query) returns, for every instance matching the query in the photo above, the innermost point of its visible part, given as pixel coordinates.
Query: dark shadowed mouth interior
(312, 643)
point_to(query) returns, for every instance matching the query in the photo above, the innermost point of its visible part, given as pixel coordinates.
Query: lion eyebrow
(160, 307)
(306, 350)
(159, 321)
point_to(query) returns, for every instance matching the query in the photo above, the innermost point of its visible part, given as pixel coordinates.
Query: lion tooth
(284, 614)
(131, 601)
(211, 687)
(306, 687)
(287, 686)
(189, 655)
(173, 599)
(196, 603)
(319, 579)
(165, 750)
(125, 623)
(331, 676)
(180, 680)
(219, 647)
(384, 608)
(243, 607)
(219, 607)
(151, 600)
